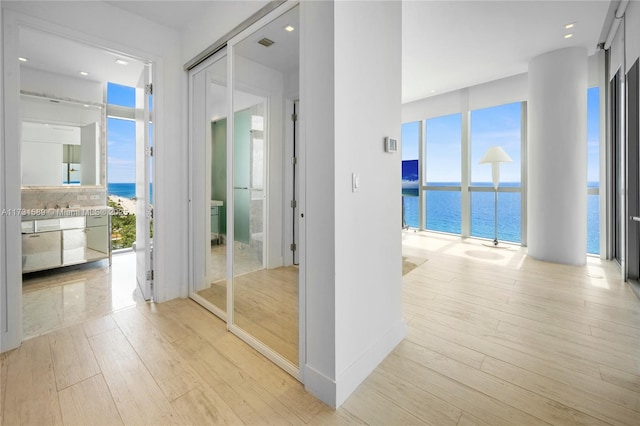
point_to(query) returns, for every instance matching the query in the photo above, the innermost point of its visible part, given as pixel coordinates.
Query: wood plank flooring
(265, 306)
(494, 338)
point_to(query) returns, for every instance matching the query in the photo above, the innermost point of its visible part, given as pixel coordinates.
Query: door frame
(11, 325)
(631, 176)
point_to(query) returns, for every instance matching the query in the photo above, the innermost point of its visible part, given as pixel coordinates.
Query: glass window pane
(593, 224)
(410, 152)
(121, 164)
(593, 169)
(443, 211)
(499, 125)
(443, 150)
(482, 215)
(121, 95)
(593, 137)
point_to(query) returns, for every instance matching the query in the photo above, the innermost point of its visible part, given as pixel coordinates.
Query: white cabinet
(41, 250)
(51, 243)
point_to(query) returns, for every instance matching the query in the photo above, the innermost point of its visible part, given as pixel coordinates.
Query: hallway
(493, 338)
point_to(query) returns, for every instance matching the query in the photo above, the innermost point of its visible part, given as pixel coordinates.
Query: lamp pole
(495, 215)
(494, 156)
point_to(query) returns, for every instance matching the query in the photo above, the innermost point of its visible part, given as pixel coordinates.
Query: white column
(557, 149)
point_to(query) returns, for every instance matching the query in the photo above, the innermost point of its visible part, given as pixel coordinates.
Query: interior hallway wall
(353, 239)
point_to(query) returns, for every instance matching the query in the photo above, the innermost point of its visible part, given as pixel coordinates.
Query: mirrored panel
(209, 112)
(62, 142)
(265, 282)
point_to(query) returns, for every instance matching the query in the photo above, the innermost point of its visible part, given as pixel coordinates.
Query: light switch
(355, 182)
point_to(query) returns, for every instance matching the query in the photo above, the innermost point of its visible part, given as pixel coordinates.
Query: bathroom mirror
(62, 142)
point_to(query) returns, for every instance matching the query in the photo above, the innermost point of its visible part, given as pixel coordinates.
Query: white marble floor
(61, 297)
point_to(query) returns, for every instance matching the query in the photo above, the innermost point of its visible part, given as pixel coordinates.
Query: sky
(490, 126)
(121, 137)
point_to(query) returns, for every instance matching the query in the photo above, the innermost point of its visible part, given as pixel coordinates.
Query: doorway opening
(86, 268)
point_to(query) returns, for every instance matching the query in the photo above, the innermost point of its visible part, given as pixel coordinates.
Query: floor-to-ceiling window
(443, 173)
(593, 170)
(411, 174)
(121, 163)
(446, 164)
(499, 125)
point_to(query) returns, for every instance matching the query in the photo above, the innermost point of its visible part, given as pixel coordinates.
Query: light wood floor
(265, 306)
(494, 338)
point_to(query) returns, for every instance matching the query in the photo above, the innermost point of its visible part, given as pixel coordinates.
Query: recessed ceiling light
(289, 28)
(569, 26)
(121, 62)
(433, 90)
(23, 59)
(84, 73)
(568, 35)
(85, 105)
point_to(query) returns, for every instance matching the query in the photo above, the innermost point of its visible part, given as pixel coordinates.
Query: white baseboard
(335, 392)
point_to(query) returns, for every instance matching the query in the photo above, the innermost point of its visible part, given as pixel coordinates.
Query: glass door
(208, 146)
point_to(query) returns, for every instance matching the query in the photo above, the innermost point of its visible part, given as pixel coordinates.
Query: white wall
(353, 240)
(103, 25)
(368, 250)
(317, 262)
(498, 92)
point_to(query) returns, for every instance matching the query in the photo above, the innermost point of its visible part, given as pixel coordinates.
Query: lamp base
(495, 244)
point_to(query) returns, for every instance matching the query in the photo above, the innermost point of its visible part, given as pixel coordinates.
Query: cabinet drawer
(43, 225)
(41, 251)
(72, 223)
(28, 227)
(98, 239)
(102, 220)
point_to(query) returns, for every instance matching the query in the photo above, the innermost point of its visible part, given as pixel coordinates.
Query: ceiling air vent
(266, 42)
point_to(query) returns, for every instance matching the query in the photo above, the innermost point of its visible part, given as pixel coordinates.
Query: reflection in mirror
(210, 95)
(62, 142)
(265, 288)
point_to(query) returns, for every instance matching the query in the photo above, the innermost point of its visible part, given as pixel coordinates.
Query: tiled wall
(40, 197)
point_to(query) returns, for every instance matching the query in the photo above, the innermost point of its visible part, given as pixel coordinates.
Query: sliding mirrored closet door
(209, 106)
(242, 178)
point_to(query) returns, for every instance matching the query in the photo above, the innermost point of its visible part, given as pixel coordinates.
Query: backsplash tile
(41, 197)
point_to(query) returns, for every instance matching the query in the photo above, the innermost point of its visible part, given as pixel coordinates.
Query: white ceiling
(447, 45)
(60, 55)
(173, 14)
(283, 55)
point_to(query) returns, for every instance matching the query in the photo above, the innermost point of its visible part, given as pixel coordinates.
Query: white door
(144, 212)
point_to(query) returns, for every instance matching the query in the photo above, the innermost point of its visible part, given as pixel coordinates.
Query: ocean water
(125, 190)
(444, 210)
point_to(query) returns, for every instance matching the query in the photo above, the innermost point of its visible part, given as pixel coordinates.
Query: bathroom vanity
(79, 236)
(63, 163)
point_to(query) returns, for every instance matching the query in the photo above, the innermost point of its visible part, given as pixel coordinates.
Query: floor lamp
(495, 155)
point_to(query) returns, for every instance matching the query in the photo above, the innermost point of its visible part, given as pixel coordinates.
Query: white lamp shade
(495, 154)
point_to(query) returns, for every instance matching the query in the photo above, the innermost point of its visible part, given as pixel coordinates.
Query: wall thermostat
(390, 144)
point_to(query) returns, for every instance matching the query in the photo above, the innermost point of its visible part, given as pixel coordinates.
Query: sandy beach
(127, 204)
